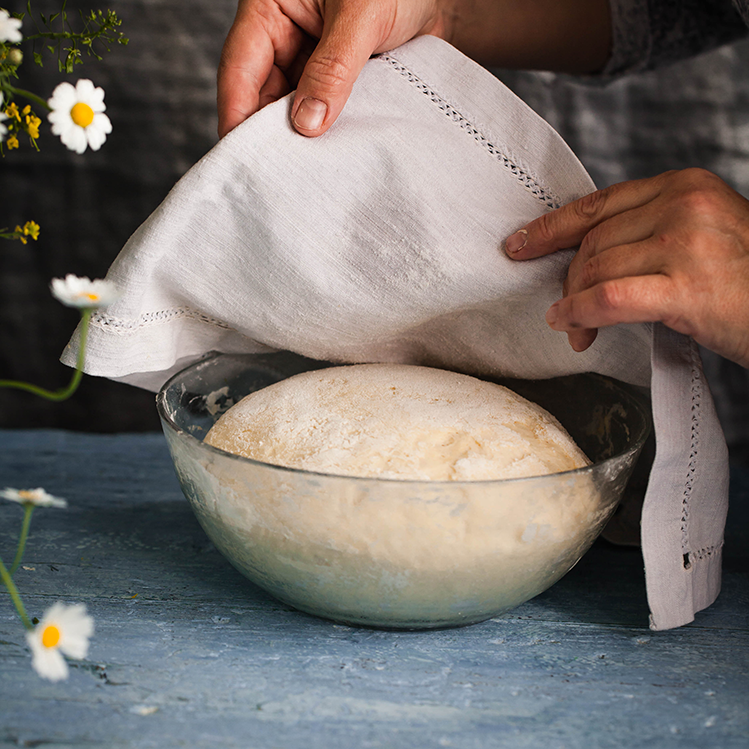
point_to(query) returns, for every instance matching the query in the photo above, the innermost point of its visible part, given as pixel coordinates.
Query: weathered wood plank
(189, 653)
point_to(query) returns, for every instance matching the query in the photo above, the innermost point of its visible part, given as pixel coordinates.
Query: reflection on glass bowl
(397, 553)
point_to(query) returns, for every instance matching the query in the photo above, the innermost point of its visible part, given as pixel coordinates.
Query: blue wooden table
(188, 653)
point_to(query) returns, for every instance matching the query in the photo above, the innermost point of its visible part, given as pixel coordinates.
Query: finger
(295, 69)
(567, 226)
(255, 43)
(597, 261)
(347, 42)
(628, 260)
(274, 88)
(582, 339)
(624, 300)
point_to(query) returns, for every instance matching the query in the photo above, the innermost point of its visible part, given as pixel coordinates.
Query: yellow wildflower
(12, 111)
(32, 125)
(31, 229)
(12, 142)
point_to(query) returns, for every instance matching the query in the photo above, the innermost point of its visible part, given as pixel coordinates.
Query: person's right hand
(272, 48)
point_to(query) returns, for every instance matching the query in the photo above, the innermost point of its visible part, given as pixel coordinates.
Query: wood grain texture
(189, 653)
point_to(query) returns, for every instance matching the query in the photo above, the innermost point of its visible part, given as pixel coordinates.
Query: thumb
(324, 87)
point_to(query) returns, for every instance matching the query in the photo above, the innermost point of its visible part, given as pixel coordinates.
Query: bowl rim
(167, 421)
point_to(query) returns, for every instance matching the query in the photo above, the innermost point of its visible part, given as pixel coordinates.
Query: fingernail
(310, 114)
(516, 242)
(552, 314)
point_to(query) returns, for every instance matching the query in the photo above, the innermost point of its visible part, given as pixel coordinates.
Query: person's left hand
(672, 249)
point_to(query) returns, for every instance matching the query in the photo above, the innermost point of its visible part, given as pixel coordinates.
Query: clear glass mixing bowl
(397, 553)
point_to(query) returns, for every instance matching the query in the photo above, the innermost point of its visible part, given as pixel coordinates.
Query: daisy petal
(47, 662)
(63, 96)
(84, 90)
(75, 139)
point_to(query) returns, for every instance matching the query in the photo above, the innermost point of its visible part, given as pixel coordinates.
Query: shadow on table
(163, 553)
(162, 543)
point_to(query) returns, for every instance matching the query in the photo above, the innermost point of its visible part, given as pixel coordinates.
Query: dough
(397, 421)
(394, 553)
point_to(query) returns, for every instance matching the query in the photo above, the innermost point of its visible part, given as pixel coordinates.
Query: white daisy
(37, 497)
(78, 117)
(83, 292)
(10, 28)
(62, 630)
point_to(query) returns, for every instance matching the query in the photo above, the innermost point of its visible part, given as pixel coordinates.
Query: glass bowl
(395, 553)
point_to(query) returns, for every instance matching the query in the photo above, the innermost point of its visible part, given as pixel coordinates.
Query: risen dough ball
(397, 421)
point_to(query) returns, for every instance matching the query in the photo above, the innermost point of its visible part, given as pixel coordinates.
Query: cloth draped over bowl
(382, 241)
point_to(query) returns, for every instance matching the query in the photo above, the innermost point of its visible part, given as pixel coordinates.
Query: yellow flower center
(25, 493)
(81, 114)
(88, 295)
(50, 636)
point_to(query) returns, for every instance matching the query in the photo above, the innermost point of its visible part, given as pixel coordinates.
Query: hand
(672, 249)
(271, 48)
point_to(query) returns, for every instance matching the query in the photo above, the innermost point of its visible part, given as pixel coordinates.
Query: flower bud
(15, 57)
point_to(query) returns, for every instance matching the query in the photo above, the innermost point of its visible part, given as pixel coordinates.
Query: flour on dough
(397, 421)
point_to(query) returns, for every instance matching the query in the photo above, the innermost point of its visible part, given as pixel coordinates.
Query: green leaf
(38, 59)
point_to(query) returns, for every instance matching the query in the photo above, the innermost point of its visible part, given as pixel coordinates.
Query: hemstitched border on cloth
(696, 393)
(708, 551)
(543, 194)
(122, 326)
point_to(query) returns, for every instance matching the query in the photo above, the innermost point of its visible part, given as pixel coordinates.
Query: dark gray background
(160, 96)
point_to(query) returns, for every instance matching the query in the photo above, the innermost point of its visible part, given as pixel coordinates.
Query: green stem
(72, 35)
(11, 586)
(28, 509)
(28, 95)
(66, 392)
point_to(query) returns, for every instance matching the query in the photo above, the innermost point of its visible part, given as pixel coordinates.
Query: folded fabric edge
(686, 503)
(155, 363)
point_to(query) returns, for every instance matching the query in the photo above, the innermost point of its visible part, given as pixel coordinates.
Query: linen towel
(381, 241)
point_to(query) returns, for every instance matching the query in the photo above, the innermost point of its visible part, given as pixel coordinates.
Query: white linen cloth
(381, 241)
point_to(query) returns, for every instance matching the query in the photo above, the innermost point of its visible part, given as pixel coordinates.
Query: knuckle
(591, 206)
(700, 190)
(608, 296)
(698, 175)
(544, 229)
(327, 73)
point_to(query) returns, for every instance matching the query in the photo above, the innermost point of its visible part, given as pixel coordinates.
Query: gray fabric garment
(647, 34)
